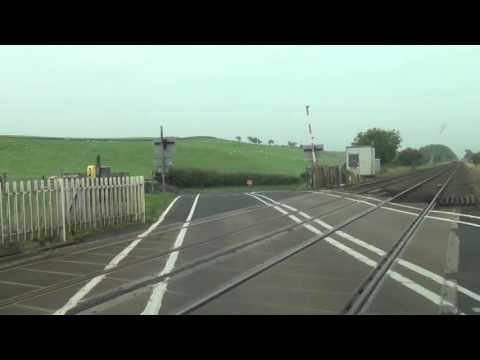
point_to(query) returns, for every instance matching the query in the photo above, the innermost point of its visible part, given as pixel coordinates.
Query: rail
(363, 296)
(109, 295)
(151, 280)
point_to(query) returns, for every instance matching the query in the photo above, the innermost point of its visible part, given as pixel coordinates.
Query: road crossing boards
(307, 150)
(164, 149)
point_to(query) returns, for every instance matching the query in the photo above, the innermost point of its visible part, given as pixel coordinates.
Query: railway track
(410, 183)
(445, 174)
(460, 192)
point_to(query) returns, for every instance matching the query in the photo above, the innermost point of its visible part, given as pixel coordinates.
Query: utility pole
(164, 147)
(314, 156)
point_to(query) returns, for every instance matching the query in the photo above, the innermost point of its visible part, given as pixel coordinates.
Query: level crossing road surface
(437, 274)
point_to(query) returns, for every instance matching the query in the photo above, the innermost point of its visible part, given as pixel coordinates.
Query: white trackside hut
(361, 160)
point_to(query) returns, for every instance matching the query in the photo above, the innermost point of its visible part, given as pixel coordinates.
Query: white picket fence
(56, 208)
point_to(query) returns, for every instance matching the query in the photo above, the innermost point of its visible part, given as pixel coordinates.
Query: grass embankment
(397, 170)
(34, 157)
(26, 157)
(475, 172)
(224, 189)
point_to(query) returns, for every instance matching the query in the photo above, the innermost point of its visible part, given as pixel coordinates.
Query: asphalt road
(437, 274)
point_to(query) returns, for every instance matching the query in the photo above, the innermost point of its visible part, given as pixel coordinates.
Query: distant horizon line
(137, 138)
(144, 138)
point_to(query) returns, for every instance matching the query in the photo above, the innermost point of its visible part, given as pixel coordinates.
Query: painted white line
(279, 209)
(120, 256)
(268, 204)
(306, 216)
(406, 206)
(154, 303)
(294, 218)
(410, 213)
(419, 289)
(255, 196)
(73, 301)
(412, 285)
(160, 219)
(80, 294)
(364, 259)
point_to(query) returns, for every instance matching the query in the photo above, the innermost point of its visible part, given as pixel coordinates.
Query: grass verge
(237, 189)
(475, 171)
(155, 204)
(397, 170)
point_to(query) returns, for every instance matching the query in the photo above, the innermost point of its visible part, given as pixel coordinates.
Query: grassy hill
(29, 157)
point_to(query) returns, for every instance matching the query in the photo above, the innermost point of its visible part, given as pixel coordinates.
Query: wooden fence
(329, 177)
(56, 208)
(324, 176)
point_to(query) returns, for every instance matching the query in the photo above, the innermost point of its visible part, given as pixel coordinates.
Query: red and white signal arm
(249, 182)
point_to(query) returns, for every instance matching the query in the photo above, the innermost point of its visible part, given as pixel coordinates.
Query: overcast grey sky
(224, 91)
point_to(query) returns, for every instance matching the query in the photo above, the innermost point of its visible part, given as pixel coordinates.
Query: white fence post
(30, 203)
(142, 189)
(24, 217)
(29, 207)
(37, 207)
(15, 210)
(62, 197)
(8, 208)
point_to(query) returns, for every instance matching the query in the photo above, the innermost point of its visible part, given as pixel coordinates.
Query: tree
(252, 139)
(385, 142)
(270, 142)
(437, 153)
(259, 141)
(475, 158)
(409, 156)
(292, 143)
(239, 138)
(468, 154)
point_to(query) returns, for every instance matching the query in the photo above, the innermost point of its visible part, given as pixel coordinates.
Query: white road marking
(410, 213)
(415, 268)
(403, 205)
(419, 289)
(160, 219)
(20, 284)
(80, 294)
(154, 303)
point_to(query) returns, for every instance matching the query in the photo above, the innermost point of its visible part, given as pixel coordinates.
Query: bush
(185, 178)
(437, 153)
(475, 158)
(410, 157)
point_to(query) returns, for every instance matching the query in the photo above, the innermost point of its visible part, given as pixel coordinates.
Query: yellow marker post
(91, 171)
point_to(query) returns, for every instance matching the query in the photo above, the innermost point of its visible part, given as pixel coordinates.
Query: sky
(431, 94)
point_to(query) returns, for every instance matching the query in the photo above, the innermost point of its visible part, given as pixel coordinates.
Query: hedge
(185, 178)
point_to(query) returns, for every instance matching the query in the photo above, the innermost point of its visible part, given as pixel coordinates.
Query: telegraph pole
(164, 147)
(314, 156)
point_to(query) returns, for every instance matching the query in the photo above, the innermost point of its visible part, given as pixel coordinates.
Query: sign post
(315, 171)
(163, 157)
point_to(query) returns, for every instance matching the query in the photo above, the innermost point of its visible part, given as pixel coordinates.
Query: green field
(29, 157)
